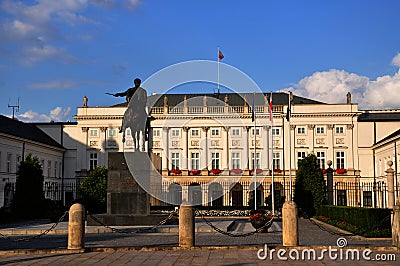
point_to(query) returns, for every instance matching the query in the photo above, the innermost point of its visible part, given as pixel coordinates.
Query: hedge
(367, 218)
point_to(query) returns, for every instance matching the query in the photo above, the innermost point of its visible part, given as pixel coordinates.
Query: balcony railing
(213, 109)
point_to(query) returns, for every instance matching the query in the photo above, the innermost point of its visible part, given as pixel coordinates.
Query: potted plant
(215, 171)
(194, 172)
(236, 171)
(341, 171)
(323, 171)
(175, 171)
(261, 219)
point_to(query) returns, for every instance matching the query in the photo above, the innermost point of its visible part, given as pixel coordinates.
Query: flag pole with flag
(272, 155)
(288, 113)
(253, 119)
(220, 57)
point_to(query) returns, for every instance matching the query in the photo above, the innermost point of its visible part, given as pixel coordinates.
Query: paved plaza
(160, 247)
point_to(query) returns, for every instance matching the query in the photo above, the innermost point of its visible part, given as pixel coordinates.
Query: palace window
(276, 160)
(93, 160)
(48, 168)
(301, 130)
(93, 132)
(156, 132)
(257, 131)
(175, 132)
(112, 132)
(276, 131)
(235, 160)
(300, 156)
(175, 160)
(367, 198)
(341, 198)
(215, 132)
(55, 169)
(59, 170)
(321, 159)
(257, 163)
(235, 132)
(339, 129)
(9, 162)
(195, 160)
(195, 132)
(215, 160)
(19, 158)
(340, 159)
(320, 130)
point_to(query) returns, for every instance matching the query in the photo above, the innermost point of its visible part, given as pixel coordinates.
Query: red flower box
(341, 171)
(277, 171)
(175, 171)
(215, 171)
(236, 171)
(258, 171)
(195, 172)
(323, 171)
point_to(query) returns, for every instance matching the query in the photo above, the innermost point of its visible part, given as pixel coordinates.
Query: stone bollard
(390, 184)
(76, 226)
(186, 225)
(396, 226)
(290, 229)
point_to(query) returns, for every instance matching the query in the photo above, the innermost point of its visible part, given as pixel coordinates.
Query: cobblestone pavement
(162, 248)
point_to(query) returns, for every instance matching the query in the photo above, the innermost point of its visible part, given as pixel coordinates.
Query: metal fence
(355, 194)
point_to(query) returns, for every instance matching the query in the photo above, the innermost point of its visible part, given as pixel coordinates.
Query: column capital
(310, 126)
(292, 127)
(103, 129)
(349, 126)
(226, 128)
(330, 127)
(165, 128)
(205, 129)
(186, 129)
(247, 128)
(85, 129)
(266, 127)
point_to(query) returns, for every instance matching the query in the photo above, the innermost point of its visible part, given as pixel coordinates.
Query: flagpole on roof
(290, 145)
(220, 56)
(272, 155)
(253, 110)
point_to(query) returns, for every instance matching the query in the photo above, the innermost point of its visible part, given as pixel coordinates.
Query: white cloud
(396, 60)
(57, 114)
(30, 55)
(41, 24)
(332, 86)
(53, 84)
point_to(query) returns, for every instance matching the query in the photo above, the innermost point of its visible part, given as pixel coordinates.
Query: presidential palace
(210, 148)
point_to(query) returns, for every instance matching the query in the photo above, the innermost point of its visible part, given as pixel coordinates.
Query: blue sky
(52, 53)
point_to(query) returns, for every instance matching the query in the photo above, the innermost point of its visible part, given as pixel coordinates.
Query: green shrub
(29, 200)
(369, 222)
(93, 190)
(310, 187)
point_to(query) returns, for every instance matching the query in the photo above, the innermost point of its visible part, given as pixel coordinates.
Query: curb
(177, 248)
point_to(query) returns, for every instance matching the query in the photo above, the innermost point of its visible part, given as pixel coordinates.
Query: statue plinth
(127, 202)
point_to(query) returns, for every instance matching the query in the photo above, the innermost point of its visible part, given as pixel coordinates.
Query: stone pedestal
(128, 203)
(186, 226)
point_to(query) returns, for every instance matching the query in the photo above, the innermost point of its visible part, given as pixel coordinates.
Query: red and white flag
(220, 55)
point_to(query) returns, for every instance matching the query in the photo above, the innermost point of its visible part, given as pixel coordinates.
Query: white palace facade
(210, 146)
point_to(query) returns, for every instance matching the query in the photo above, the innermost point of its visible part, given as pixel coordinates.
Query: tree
(93, 190)
(310, 187)
(29, 196)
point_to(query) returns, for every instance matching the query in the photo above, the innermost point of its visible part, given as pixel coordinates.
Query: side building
(17, 139)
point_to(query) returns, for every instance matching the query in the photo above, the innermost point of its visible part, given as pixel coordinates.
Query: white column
(265, 160)
(246, 146)
(204, 149)
(165, 148)
(225, 157)
(350, 155)
(185, 148)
